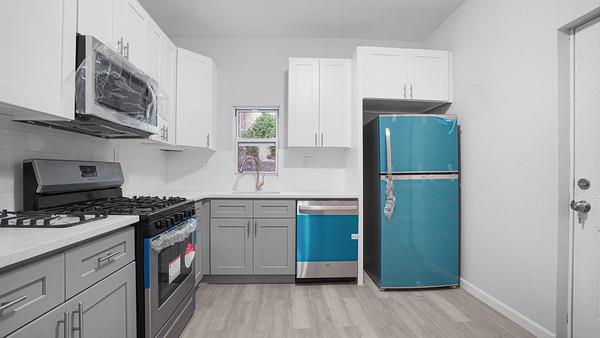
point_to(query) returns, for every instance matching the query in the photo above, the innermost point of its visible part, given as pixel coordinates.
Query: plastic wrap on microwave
(117, 86)
(176, 235)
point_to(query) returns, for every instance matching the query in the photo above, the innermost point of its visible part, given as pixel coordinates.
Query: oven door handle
(174, 236)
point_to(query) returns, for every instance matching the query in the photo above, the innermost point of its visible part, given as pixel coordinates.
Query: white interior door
(586, 245)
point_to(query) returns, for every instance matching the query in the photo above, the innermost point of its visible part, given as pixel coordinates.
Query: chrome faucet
(259, 182)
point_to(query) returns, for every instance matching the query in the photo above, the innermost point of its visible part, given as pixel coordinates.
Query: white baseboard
(514, 315)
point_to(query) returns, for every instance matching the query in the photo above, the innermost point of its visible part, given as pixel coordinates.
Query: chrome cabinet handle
(126, 51)
(404, 91)
(167, 133)
(255, 229)
(8, 304)
(208, 140)
(248, 229)
(107, 258)
(80, 320)
(316, 144)
(411, 91)
(66, 331)
(120, 46)
(321, 139)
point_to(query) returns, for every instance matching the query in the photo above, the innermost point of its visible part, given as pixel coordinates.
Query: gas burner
(46, 219)
(136, 205)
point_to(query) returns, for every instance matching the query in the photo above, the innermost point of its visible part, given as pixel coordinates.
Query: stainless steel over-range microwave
(113, 98)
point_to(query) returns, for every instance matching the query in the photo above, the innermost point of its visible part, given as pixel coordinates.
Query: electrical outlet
(308, 161)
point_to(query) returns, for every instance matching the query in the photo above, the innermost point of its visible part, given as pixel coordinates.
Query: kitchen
(491, 69)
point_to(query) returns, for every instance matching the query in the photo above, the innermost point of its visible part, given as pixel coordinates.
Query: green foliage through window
(265, 126)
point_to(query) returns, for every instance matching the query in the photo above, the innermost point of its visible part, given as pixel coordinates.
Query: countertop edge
(55, 241)
(266, 195)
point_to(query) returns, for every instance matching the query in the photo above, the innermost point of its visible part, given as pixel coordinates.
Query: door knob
(581, 206)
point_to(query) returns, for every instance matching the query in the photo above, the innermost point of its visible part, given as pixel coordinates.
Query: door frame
(568, 32)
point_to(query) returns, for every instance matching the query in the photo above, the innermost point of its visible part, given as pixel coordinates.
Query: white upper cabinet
(405, 74)
(303, 102)
(335, 102)
(196, 100)
(429, 74)
(385, 73)
(123, 25)
(131, 22)
(319, 99)
(38, 58)
(96, 18)
(154, 41)
(162, 66)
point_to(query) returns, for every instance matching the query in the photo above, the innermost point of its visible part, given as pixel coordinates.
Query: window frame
(262, 141)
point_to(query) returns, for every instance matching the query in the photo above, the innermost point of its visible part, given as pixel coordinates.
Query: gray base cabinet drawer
(107, 309)
(274, 209)
(231, 208)
(89, 263)
(29, 291)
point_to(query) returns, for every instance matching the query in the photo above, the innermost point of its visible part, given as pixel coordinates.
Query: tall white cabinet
(405, 74)
(196, 100)
(319, 102)
(38, 58)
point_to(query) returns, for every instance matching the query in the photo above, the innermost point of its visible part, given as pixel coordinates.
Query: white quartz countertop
(20, 244)
(267, 194)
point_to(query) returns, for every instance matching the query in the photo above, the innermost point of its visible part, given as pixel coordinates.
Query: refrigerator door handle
(388, 150)
(390, 199)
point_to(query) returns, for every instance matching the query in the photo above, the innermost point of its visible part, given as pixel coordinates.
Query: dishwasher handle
(349, 209)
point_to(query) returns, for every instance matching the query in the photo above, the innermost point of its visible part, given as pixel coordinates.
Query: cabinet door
(195, 108)
(230, 246)
(38, 58)
(429, 74)
(274, 246)
(131, 25)
(153, 48)
(54, 324)
(109, 308)
(96, 18)
(335, 102)
(168, 73)
(303, 103)
(384, 72)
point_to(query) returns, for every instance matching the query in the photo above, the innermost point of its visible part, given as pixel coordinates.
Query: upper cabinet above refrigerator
(417, 80)
(319, 102)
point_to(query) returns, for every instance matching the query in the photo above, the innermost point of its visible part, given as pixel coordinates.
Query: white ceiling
(359, 19)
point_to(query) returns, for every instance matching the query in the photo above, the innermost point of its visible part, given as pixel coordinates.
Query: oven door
(172, 274)
(111, 89)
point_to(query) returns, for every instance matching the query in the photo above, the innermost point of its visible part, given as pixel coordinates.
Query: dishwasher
(326, 239)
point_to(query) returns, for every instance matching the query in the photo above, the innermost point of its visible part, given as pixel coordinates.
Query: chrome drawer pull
(6, 305)
(66, 322)
(107, 258)
(80, 313)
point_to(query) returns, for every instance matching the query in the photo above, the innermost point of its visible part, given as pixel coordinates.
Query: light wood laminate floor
(342, 310)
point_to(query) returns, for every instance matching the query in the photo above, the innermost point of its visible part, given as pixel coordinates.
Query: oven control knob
(157, 225)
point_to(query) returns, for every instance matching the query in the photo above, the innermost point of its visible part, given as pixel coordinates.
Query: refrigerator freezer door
(419, 244)
(425, 143)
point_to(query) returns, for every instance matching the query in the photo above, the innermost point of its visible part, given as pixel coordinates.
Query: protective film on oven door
(175, 251)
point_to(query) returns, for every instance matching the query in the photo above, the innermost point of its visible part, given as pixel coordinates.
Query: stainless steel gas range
(67, 193)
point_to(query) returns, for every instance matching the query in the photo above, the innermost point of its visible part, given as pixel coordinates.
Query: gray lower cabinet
(106, 309)
(29, 291)
(231, 246)
(274, 246)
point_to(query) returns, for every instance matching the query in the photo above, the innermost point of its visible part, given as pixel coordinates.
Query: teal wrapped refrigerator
(411, 201)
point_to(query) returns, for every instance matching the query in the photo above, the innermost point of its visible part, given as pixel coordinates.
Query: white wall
(253, 71)
(506, 86)
(144, 167)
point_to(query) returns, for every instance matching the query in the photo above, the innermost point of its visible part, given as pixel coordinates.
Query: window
(257, 135)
